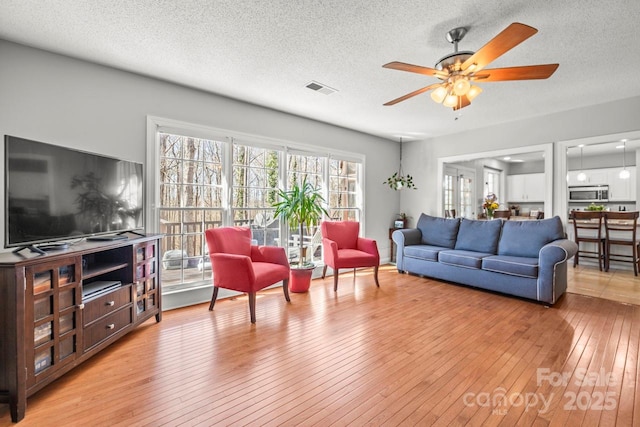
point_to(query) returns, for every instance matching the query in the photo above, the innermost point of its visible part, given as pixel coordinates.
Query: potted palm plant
(301, 207)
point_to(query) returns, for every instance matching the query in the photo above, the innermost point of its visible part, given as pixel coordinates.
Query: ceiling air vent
(319, 87)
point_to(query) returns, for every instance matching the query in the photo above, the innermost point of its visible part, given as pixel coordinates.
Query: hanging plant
(399, 181)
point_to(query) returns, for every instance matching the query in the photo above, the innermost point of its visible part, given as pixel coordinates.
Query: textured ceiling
(265, 52)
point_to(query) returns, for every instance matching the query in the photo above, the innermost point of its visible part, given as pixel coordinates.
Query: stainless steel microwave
(589, 193)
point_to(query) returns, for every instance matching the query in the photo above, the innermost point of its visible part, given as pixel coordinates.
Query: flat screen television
(54, 193)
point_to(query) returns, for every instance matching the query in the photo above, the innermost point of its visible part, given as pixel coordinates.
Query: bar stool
(587, 228)
(624, 225)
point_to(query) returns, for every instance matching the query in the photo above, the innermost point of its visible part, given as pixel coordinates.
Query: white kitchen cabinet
(525, 187)
(621, 190)
(593, 177)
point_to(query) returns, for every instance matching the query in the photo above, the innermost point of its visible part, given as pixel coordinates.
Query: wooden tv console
(48, 326)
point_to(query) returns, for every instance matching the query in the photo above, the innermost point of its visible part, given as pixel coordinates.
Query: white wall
(422, 156)
(56, 99)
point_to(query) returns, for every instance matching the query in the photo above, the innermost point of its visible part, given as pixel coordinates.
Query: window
(190, 202)
(448, 192)
(255, 189)
(492, 182)
(199, 181)
(344, 190)
(457, 192)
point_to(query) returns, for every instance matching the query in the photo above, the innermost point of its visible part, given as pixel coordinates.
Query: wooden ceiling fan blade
(403, 66)
(509, 38)
(412, 94)
(463, 101)
(529, 72)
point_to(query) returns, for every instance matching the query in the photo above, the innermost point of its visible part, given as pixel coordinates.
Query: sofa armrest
(557, 251)
(402, 238)
(552, 274)
(407, 236)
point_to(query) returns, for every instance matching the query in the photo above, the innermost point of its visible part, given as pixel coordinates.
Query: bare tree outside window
(191, 202)
(192, 192)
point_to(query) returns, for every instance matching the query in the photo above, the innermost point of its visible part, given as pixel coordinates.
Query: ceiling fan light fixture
(439, 94)
(450, 101)
(473, 92)
(461, 86)
(459, 69)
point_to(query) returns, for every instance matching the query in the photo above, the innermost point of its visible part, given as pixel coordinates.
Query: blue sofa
(523, 258)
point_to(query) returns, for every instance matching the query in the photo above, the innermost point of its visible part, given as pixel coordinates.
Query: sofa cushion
(526, 238)
(515, 266)
(479, 236)
(469, 259)
(423, 251)
(438, 231)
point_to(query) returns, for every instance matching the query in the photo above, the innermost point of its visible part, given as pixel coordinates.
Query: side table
(392, 245)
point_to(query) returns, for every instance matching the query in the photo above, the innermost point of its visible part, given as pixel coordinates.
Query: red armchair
(242, 267)
(343, 248)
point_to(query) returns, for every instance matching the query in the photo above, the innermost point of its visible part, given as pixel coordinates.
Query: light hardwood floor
(412, 352)
(617, 284)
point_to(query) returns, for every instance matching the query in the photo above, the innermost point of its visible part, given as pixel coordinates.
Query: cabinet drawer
(107, 326)
(105, 304)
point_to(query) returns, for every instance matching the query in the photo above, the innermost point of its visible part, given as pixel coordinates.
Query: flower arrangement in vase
(490, 204)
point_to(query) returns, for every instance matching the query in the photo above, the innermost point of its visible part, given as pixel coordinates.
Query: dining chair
(587, 228)
(620, 229)
(343, 248)
(502, 214)
(239, 265)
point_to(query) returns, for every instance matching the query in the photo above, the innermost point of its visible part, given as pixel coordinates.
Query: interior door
(458, 191)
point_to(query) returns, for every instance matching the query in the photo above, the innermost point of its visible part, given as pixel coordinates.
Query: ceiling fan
(460, 69)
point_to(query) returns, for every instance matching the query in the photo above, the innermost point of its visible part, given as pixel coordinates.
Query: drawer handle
(110, 303)
(111, 326)
(80, 306)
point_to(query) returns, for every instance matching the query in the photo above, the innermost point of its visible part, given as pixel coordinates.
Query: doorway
(546, 151)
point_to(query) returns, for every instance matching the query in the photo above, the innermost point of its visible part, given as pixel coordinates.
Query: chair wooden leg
(600, 255)
(575, 258)
(324, 271)
(285, 288)
(213, 298)
(634, 250)
(252, 306)
(375, 275)
(335, 280)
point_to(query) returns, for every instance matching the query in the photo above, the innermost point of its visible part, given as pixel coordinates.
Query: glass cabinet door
(53, 295)
(146, 280)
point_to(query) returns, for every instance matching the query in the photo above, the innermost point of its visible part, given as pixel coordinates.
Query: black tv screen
(55, 193)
